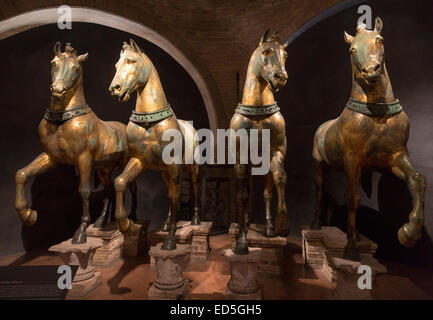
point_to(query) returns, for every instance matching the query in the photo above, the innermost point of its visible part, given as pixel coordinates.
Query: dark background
(24, 96)
(318, 87)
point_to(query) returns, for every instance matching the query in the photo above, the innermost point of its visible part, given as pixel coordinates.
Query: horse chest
(146, 144)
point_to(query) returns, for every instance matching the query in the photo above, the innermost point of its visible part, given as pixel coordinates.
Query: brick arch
(162, 37)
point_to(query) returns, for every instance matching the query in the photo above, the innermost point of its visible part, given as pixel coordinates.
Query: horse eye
(379, 40)
(74, 68)
(130, 60)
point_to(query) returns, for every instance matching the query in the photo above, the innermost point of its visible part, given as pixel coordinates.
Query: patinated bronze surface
(266, 74)
(357, 141)
(135, 71)
(71, 133)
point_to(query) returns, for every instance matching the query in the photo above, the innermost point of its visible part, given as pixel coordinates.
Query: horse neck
(72, 99)
(151, 96)
(257, 91)
(380, 92)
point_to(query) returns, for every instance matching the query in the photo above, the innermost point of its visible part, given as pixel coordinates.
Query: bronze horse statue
(150, 119)
(266, 74)
(70, 133)
(371, 133)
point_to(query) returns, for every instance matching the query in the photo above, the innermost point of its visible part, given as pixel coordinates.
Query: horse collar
(149, 117)
(375, 109)
(265, 110)
(60, 116)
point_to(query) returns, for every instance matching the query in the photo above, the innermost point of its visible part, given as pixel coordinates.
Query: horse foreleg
(410, 233)
(39, 165)
(279, 176)
(267, 195)
(131, 171)
(166, 226)
(193, 173)
(353, 175)
(320, 169)
(242, 195)
(173, 180)
(105, 177)
(84, 168)
(133, 189)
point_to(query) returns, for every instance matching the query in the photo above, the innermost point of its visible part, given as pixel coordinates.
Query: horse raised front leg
(410, 233)
(279, 176)
(38, 166)
(242, 195)
(267, 195)
(131, 171)
(173, 180)
(84, 168)
(320, 169)
(353, 175)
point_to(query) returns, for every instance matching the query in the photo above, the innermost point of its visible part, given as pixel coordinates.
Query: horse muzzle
(57, 91)
(117, 92)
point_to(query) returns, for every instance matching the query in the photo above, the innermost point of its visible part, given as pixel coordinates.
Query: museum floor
(130, 279)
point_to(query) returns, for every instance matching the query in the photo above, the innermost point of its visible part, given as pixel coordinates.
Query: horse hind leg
(173, 179)
(193, 173)
(279, 176)
(133, 189)
(267, 195)
(320, 169)
(105, 177)
(411, 232)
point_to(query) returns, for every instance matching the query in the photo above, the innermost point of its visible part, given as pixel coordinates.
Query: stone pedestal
(135, 243)
(184, 235)
(112, 242)
(170, 264)
(243, 270)
(323, 250)
(272, 260)
(86, 280)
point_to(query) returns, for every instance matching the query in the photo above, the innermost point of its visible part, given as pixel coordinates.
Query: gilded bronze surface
(356, 142)
(83, 140)
(266, 74)
(135, 71)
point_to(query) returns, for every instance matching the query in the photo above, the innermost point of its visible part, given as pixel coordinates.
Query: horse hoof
(241, 247)
(32, 216)
(169, 243)
(79, 238)
(100, 222)
(270, 232)
(351, 254)
(407, 236)
(126, 226)
(195, 221)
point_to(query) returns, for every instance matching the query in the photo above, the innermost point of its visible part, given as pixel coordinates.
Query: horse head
(268, 61)
(66, 70)
(132, 71)
(367, 52)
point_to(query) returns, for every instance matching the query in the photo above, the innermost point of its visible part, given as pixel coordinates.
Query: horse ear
(57, 49)
(83, 57)
(285, 45)
(347, 37)
(378, 25)
(265, 36)
(134, 46)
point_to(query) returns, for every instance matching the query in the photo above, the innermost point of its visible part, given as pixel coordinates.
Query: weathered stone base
(85, 288)
(230, 295)
(180, 293)
(170, 264)
(112, 242)
(86, 280)
(272, 260)
(135, 243)
(243, 271)
(200, 240)
(323, 250)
